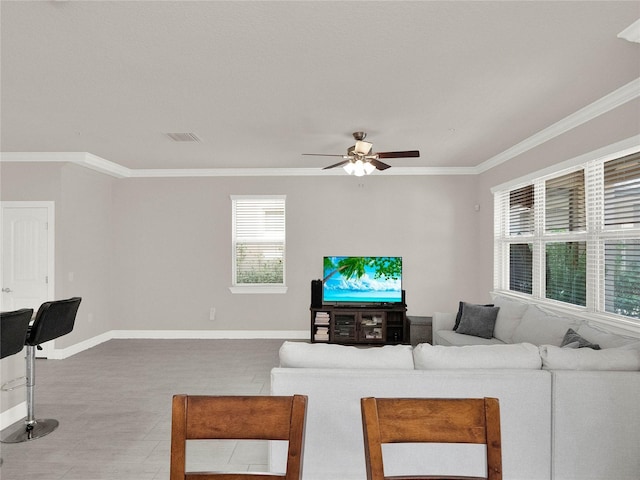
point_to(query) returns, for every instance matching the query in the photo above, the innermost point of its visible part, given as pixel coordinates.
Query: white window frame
(255, 288)
(594, 236)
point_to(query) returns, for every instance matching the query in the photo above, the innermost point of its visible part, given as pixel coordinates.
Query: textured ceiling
(262, 82)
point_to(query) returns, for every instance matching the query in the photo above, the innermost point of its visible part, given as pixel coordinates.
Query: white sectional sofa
(518, 321)
(556, 424)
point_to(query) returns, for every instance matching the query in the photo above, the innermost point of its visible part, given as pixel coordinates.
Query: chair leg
(30, 428)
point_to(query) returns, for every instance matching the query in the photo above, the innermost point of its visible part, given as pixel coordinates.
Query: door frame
(51, 252)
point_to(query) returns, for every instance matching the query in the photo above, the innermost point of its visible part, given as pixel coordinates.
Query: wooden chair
(418, 420)
(237, 417)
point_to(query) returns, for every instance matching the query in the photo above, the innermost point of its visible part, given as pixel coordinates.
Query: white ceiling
(260, 82)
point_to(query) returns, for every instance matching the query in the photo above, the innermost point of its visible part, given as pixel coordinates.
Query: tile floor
(113, 402)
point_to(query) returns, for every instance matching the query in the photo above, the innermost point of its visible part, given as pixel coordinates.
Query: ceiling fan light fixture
(361, 160)
(349, 167)
(362, 148)
(359, 168)
(369, 168)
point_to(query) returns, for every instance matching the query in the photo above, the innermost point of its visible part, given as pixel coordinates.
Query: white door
(27, 254)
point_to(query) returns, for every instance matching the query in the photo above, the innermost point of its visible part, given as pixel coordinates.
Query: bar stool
(13, 335)
(13, 331)
(53, 320)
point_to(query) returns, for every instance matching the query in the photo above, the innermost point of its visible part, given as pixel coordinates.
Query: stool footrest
(25, 432)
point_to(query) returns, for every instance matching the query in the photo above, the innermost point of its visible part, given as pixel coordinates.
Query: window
(258, 242)
(521, 211)
(622, 277)
(574, 237)
(565, 220)
(521, 267)
(565, 272)
(622, 241)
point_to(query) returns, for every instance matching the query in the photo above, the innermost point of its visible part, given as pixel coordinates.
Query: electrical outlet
(212, 314)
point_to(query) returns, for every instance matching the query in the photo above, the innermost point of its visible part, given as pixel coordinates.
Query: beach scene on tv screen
(362, 279)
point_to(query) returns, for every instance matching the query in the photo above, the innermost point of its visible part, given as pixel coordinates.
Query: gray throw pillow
(477, 320)
(459, 315)
(574, 340)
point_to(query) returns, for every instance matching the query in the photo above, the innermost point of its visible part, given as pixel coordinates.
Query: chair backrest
(13, 331)
(238, 417)
(431, 420)
(53, 320)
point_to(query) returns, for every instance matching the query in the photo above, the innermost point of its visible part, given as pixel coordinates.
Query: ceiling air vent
(183, 137)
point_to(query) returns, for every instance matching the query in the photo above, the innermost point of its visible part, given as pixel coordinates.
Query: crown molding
(101, 165)
(631, 33)
(84, 159)
(618, 97)
(292, 172)
(608, 152)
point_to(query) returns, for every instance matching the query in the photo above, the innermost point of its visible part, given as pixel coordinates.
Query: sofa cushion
(556, 358)
(438, 357)
(477, 320)
(509, 316)
(324, 355)
(542, 328)
(603, 338)
(573, 340)
(449, 337)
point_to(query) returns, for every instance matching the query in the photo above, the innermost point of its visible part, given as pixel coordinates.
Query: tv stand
(358, 325)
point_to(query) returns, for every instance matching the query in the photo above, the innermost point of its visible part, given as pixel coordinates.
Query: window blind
(565, 209)
(622, 192)
(258, 240)
(521, 202)
(621, 276)
(521, 267)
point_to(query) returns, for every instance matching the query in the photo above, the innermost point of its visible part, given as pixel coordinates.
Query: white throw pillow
(542, 328)
(324, 355)
(556, 358)
(437, 357)
(509, 317)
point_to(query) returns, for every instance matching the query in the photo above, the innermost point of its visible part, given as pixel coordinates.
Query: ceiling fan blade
(379, 165)
(322, 155)
(339, 164)
(406, 154)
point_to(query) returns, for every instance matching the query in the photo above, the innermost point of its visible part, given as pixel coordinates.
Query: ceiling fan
(360, 159)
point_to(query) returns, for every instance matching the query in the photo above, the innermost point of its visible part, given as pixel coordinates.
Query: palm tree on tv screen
(350, 267)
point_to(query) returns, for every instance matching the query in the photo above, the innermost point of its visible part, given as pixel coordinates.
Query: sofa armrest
(443, 321)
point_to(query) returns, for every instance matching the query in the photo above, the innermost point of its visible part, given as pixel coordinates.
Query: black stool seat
(13, 331)
(53, 320)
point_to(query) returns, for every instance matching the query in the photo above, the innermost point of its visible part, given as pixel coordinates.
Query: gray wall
(173, 245)
(83, 240)
(84, 247)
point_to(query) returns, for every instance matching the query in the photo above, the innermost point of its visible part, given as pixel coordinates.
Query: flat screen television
(362, 280)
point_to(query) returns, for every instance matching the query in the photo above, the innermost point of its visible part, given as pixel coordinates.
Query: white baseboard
(12, 415)
(211, 334)
(62, 353)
